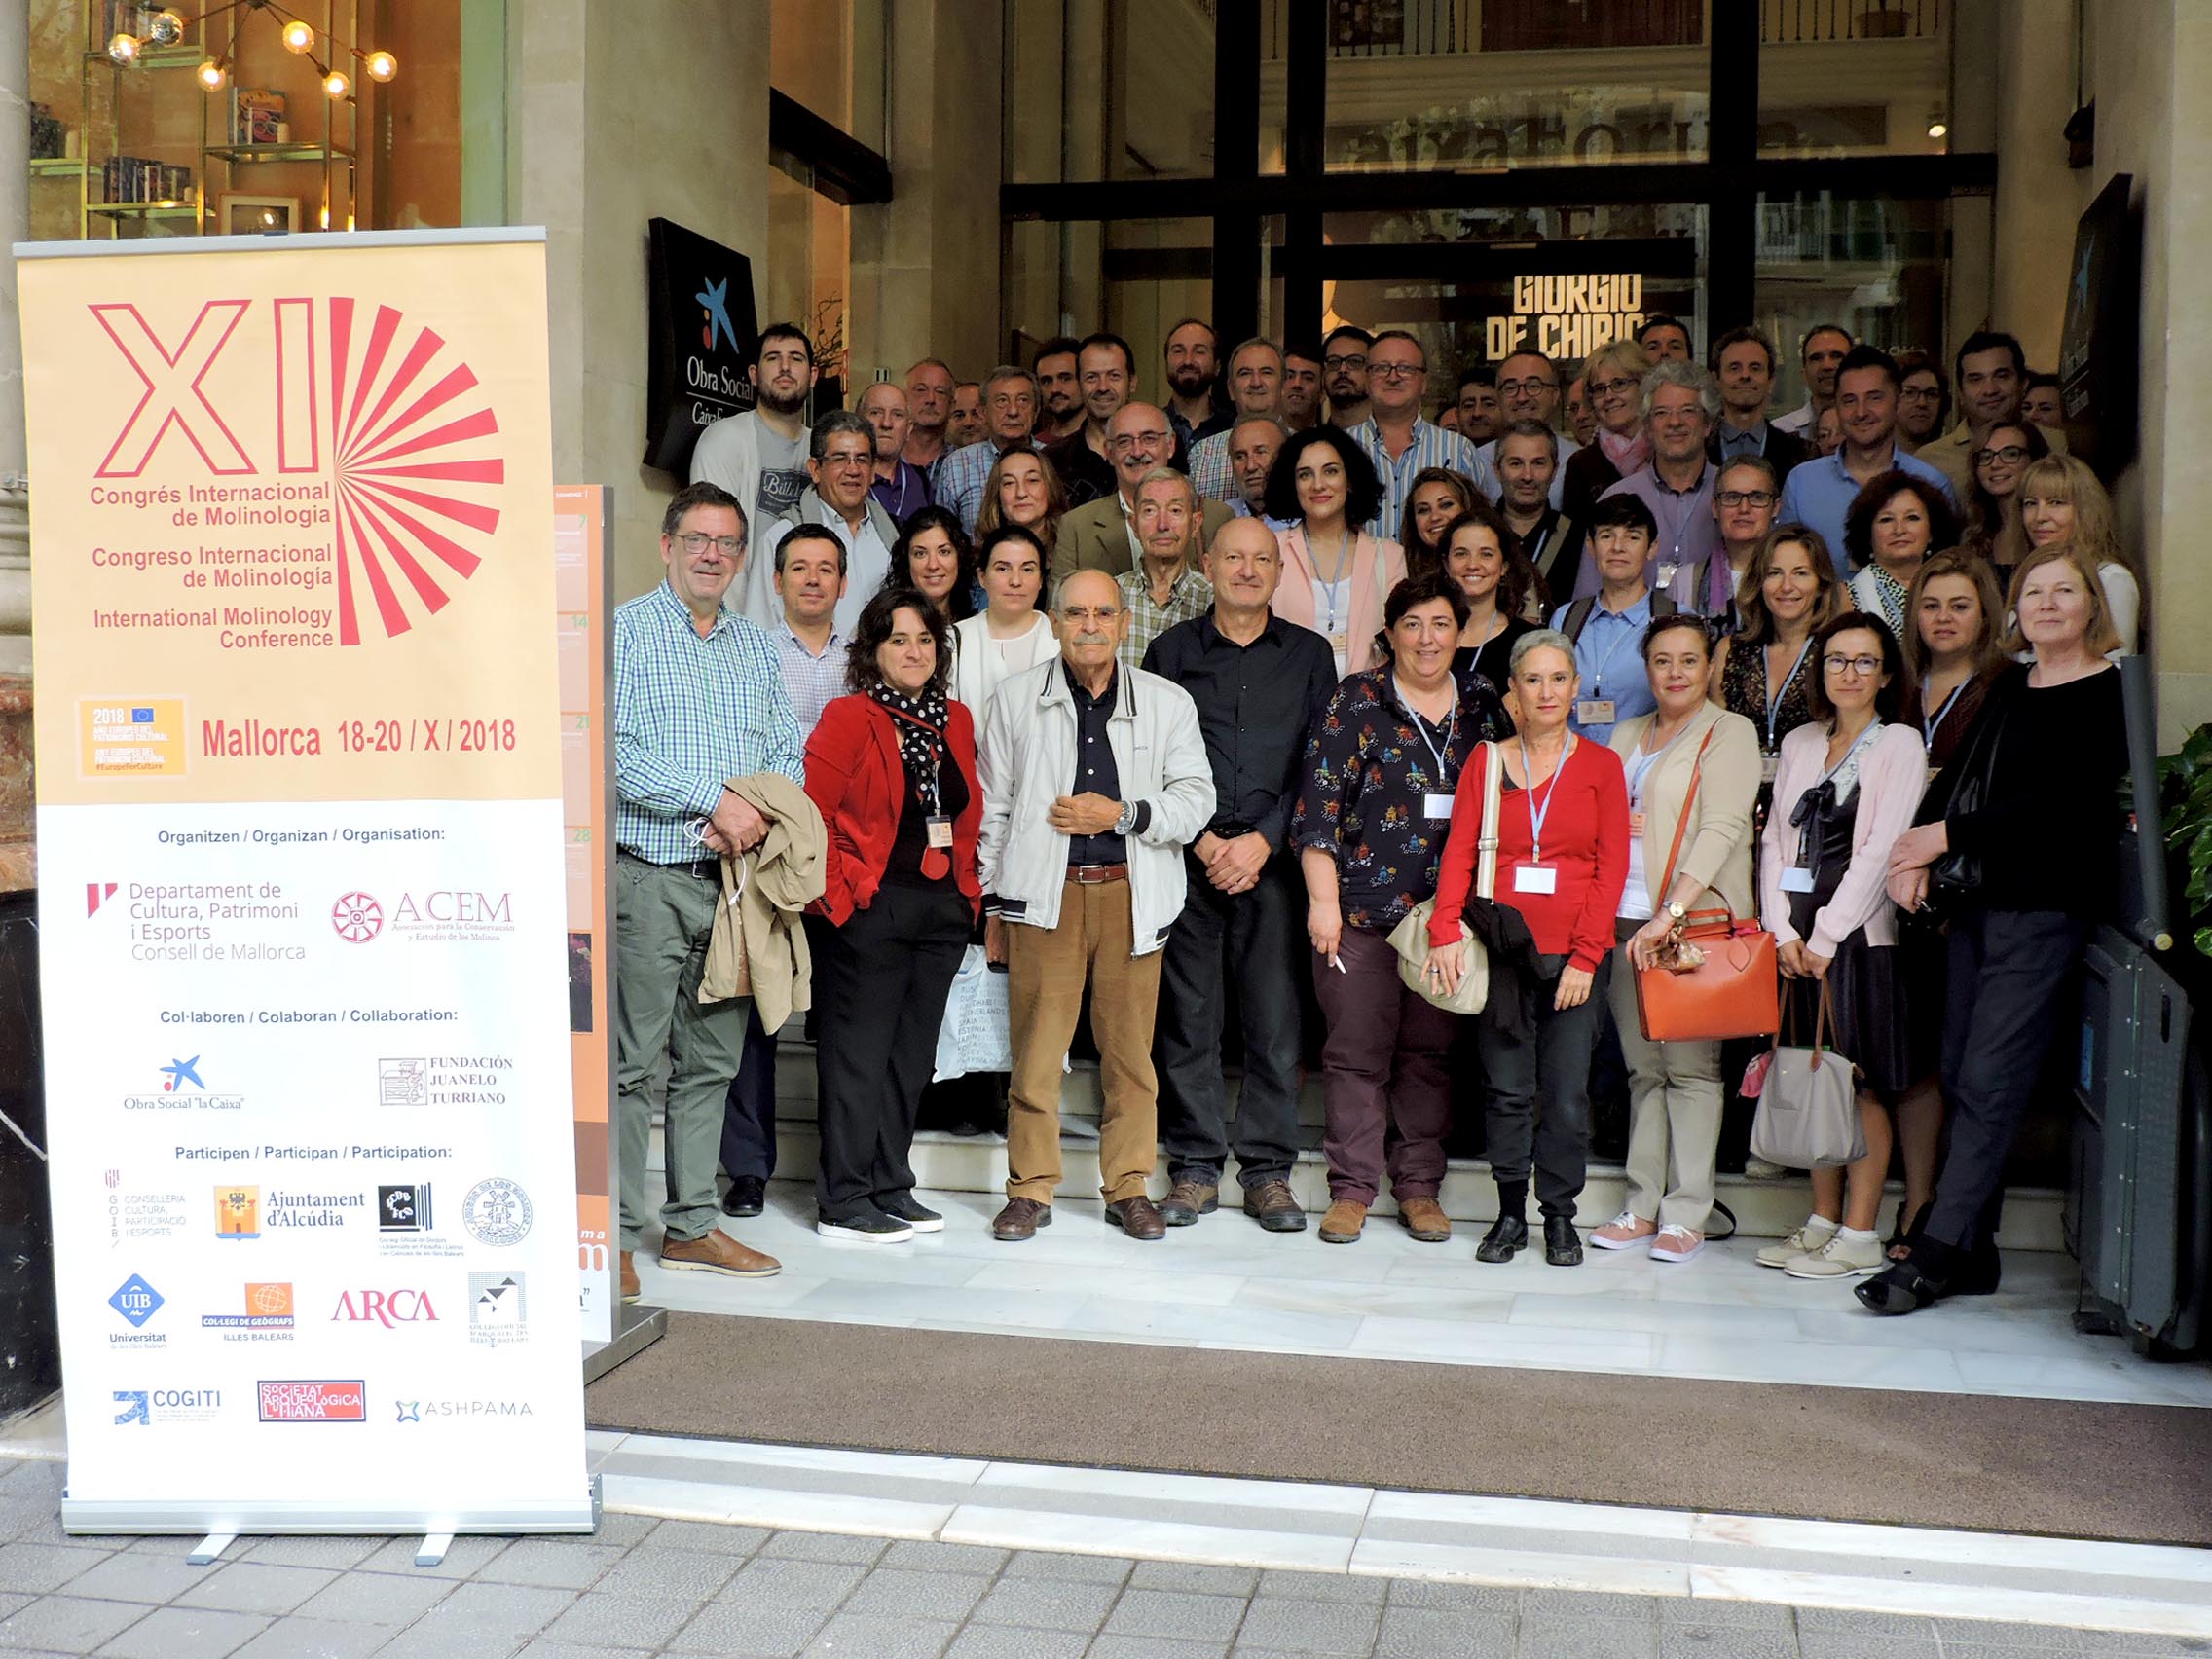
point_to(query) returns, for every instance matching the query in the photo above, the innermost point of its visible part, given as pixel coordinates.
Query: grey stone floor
(682, 1588)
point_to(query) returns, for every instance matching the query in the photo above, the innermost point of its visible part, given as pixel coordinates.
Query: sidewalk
(643, 1586)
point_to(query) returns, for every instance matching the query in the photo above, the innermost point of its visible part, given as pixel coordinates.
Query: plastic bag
(973, 1037)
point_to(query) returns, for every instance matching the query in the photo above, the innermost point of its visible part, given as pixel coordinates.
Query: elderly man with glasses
(841, 498)
(1396, 438)
(1104, 534)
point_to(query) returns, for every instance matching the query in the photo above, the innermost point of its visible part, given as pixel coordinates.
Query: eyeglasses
(728, 547)
(846, 457)
(1092, 613)
(1525, 387)
(1607, 389)
(2012, 455)
(1863, 665)
(1396, 371)
(1745, 497)
(1123, 441)
(1333, 364)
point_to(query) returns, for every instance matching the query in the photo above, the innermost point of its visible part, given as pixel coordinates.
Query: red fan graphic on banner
(405, 450)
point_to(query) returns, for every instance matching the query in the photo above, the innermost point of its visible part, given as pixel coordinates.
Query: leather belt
(706, 869)
(1097, 875)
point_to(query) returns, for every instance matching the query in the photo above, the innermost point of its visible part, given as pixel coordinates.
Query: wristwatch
(1677, 908)
(1127, 820)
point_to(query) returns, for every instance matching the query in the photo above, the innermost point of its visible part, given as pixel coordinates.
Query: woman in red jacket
(1562, 851)
(892, 770)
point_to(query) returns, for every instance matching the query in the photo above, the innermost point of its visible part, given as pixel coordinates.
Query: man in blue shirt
(1608, 627)
(698, 700)
(1818, 492)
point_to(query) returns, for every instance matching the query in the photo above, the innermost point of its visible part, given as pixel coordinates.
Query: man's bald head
(1244, 564)
(1138, 439)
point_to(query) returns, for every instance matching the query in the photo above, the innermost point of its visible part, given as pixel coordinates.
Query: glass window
(830, 57)
(1856, 78)
(808, 264)
(1121, 91)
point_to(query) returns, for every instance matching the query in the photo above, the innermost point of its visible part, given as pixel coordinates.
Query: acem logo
(378, 408)
(356, 918)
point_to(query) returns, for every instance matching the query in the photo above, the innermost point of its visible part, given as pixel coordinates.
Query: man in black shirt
(1258, 682)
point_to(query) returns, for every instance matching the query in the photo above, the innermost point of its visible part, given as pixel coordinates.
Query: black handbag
(1954, 881)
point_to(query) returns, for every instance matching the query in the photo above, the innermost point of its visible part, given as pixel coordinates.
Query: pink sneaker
(1677, 1244)
(1625, 1229)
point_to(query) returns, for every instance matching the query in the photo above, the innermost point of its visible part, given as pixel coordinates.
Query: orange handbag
(1735, 991)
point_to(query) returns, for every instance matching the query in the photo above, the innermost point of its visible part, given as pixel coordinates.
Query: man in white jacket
(1094, 776)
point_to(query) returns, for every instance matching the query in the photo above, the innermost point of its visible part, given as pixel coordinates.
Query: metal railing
(1431, 28)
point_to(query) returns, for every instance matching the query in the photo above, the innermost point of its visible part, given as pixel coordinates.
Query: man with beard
(1103, 535)
(900, 489)
(758, 456)
(1255, 387)
(1105, 368)
(1301, 387)
(1193, 359)
(929, 406)
(1343, 374)
(1059, 383)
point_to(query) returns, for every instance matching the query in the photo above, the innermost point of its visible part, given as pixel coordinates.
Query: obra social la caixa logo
(380, 409)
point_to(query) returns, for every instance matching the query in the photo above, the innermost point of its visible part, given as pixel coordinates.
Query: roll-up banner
(304, 934)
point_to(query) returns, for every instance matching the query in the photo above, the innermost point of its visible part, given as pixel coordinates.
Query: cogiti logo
(382, 409)
(97, 894)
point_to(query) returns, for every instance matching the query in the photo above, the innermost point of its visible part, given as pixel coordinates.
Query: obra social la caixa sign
(292, 570)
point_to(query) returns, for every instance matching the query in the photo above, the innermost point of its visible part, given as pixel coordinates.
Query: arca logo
(382, 409)
(386, 1307)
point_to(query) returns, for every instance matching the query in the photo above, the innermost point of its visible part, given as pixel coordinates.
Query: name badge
(1535, 878)
(1436, 806)
(938, 830)
(1594, 711)
(1767, 765)
(1796, 879)
(1666, 574)
(1340, 643)
(1636, 824)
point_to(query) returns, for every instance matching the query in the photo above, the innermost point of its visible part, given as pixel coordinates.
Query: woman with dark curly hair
(1437, 496)
(934, 557)
(1484, 561)
(1335, 575)
(1994, 527)
(1895, 522)
(892, 769)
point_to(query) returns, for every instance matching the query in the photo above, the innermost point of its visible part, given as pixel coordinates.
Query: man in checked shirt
(698, 699)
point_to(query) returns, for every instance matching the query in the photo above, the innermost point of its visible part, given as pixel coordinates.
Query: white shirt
(1799, 421)
(867, 562)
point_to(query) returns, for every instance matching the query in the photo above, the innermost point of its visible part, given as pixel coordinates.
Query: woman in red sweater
(1561, 862)
(892, 769)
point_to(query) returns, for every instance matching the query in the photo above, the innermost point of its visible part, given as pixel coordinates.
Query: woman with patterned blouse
(1895, 522)
(1762, 670)
(1374, 809)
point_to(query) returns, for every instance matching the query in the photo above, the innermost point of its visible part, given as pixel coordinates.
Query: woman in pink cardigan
(1335, 575)
(1846, 787)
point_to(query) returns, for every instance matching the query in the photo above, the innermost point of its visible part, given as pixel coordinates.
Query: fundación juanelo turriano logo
(378, 437)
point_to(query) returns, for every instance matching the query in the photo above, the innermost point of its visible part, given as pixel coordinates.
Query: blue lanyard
(1774, 699)
(1597, 679)
(1931, 724)
(1535, 817)
(1420, 726)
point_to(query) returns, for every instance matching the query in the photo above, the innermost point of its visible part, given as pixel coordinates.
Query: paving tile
(1581, 1604)
(257, 1586)
(1191, 1578)
(66, 1624)
(1074, 1568)
(1588, 1639)
(1713, 1610)
(1324, 1586)
(1045, 1603)
(1454, 1597)
(418, 1643)
(553, 1565)
(1724, 1641)
(678, 1576)
(314, 1639)
(34, 1477)
(128, 1576)
(777, 1582)
(316, 1551)
(888, 1593)
(466, 1557)
(1894, 1627)
(376, 1597)
(604, 1619)
(856, 1636)
(927, 1555)
(1847, 1644)
(35, 1570)
(1154, 1647)
(628, 1530)
(1291, 1625)
(185, 1633)
(823, 1546)
(1436, 1633)
(1994, 1633)
(520, 1611)
(544, 1649)
(2034, 1649)
(2134, 1644)
(1169, 1613)
(711, 1536)
(1004, 1641)
(754, 1631)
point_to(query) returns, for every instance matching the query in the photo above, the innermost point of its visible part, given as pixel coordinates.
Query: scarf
(1626, 452)
(920, 723)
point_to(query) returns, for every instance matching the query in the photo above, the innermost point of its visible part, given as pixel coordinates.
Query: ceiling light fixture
(167, 28)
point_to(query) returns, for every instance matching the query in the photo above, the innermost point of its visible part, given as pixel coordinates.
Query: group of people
(1134, 695)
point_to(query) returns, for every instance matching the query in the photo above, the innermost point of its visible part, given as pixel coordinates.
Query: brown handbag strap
(1683, 824)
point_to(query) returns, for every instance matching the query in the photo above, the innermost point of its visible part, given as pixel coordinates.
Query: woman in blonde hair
(1023, 489)
(2061, 500)
(1614, 375)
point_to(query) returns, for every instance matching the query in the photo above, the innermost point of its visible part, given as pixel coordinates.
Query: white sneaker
(1842, 1258)
(1805, 1241)
(1759, 1169)
(1624, 1231)
(1677, 1244)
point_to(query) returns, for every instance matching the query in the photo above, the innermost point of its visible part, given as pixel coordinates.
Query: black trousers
(1536, 1094)
(1252, 938)
(2009, 983)
(880, 983)
(748, 1113)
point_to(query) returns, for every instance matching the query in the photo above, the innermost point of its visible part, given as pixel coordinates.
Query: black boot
(1563, 1245)
(1507, 1236)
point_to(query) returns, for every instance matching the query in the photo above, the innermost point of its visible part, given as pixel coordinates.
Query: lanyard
(1872, 731)
(1451, 735)
(1597, 679)
(1774, 699)
(1535, 817)
(1930, 725)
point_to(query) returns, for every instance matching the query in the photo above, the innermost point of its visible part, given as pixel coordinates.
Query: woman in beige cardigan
(1335, 575)
(1674, 1090)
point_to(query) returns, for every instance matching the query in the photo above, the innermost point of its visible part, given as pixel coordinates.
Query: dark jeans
(880, 983)
(2009, 981)
(1250, 938)
(1537, 1094)
(749, 1112)
(1383, 1074)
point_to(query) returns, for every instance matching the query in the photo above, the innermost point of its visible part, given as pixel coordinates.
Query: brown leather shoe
(631, 1288)
(1341, 1225)
(1187, 1200)
(1139, 1217)
(1275, 1207)
(1424, 1219)
(716, 1252)
(1020, 1220)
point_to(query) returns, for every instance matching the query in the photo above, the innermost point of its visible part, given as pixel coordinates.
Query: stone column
(16, 861)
